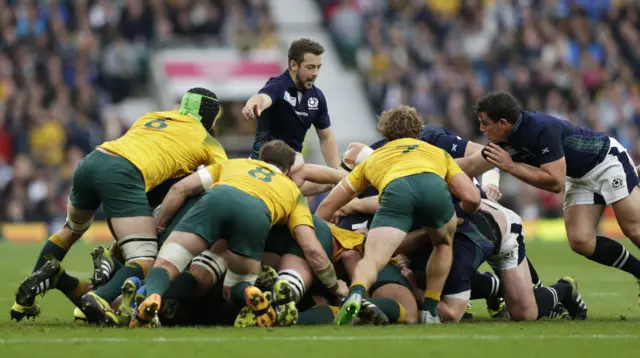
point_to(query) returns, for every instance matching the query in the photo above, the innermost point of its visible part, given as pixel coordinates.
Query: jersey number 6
(408, 148)
(261, 174)
(157, 123)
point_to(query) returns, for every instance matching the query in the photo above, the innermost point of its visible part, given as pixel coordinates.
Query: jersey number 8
(261, 174)
(157, 123)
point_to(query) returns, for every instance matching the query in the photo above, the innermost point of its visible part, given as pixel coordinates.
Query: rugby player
(403, 170)
(256, 195)
(494, 234)
(289, 104)
(594, 171)
(117, 174)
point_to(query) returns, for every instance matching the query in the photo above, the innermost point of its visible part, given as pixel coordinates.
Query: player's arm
(321, 174)
(475, 164)
(193, 184)
(367, 205)
(329, 147)
(462, 187)
(342, 194)
(472, 148)
(263, 100)
(550, 155)
(301, 225)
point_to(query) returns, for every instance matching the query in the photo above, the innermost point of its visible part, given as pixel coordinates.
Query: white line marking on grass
(602, 294)
(426, 336)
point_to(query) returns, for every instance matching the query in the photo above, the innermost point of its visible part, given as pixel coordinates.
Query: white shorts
(511, 251)
(610, 181)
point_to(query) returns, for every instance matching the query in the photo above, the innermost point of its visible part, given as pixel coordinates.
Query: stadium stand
(577, 60)
(64, 65)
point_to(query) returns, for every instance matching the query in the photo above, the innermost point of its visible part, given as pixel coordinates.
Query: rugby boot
(497, 308)
(245, 318)
(349, 310)
(284, 303)
(260, 305)
(576, 307)
(128, 305)
(266, 278)
(103, 266)
(97, 310)
(468, 314)
(426, 317)
(372, 314)
(147, 315)
(79, 316)
(37, 283)
(559, 312)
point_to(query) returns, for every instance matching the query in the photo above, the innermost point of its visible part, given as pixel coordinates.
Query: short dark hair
(278, 153)
(498, 105)
(299, 47)
(399, 122)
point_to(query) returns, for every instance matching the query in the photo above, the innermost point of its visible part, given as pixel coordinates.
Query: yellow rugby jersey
(348, 240)
(264, 181)
(401, 158)
(165, 145)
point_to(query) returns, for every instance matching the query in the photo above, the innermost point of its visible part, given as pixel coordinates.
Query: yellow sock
(432, 295)
(403, 313)
(80, 290)
(144, 268)
(56, 240)
(335, 310)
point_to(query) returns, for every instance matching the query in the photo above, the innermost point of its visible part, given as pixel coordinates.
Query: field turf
(612, 329)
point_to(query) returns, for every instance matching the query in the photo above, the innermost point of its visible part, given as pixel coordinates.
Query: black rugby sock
(611, 253)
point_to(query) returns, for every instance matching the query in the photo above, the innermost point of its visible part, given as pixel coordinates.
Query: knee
(523, 313)
(582, 244)
(449, 314)
(631, 231)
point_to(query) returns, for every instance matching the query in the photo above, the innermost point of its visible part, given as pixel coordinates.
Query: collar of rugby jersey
(275, 169)
(516, 126)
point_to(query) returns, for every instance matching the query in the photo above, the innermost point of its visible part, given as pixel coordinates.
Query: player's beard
(301, 83)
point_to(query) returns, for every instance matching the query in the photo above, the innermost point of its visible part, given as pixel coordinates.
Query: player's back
(164, 145)
(264, 181)
(404, 157)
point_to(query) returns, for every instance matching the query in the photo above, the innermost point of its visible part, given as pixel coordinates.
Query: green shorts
(112, 181)
(281, 241)
(225, 212)
(184, 209)
(420, 199)
(390, 274)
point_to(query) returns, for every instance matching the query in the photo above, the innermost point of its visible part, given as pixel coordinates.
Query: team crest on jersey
(313, 103)
(288, 98)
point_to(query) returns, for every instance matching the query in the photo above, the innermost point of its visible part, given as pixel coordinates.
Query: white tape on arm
(205, 178)
(491, 177)
(363, 155)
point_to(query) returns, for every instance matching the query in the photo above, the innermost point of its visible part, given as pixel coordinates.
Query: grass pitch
(612, 328)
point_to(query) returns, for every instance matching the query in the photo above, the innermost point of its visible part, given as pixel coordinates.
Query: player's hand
(344, 211)
(498, 157)
(492, 191)
(340, 290)
(251, 111)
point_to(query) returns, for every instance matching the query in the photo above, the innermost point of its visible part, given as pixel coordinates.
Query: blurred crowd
(578, 60)
(65, 65)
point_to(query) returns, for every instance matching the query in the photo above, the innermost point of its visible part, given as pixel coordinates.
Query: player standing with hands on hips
(593, 169)
(289, 104)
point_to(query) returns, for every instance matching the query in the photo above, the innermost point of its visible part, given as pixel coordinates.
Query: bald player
(118, 174)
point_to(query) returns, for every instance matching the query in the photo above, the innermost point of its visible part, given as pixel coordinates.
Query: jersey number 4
(261, 174)
(157, 123)
(408, 148)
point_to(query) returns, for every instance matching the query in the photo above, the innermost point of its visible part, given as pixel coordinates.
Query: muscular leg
(581, 222)
(439, 263)
(518, 293)
(397, 302)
